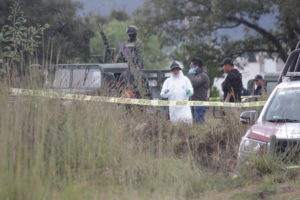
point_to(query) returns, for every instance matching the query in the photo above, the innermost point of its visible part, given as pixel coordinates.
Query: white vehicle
(277, 129)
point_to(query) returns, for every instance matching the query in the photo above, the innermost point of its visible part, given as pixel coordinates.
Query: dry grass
(52, 149)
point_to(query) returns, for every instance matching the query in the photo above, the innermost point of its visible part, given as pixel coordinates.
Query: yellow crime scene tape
(143, 102)
(293, 167)
(243, 97)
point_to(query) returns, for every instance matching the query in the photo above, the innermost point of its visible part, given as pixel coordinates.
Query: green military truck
(93, 79)
(270, 82)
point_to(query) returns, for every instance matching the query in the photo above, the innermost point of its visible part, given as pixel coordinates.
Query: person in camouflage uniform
(133, 49)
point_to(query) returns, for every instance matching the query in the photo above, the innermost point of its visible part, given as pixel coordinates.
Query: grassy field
(83, 150)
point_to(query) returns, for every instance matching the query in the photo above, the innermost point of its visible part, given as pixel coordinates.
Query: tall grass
(53, 149)
(75, 150)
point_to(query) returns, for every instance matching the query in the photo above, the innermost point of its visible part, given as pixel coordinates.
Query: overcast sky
(103, 7)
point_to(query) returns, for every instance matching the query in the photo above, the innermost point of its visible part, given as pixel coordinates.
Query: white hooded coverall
(177, 87)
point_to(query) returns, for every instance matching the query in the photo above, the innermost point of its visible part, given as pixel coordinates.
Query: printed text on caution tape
(145, 102)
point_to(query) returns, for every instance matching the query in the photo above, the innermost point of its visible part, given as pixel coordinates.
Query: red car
(277, 130)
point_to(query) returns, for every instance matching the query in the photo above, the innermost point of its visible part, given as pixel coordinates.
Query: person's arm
(189, 87)
(229, 81)
(227, 99)
(165, 91)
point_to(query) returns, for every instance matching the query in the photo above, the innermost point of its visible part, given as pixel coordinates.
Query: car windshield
(86, 78)
(284, 106)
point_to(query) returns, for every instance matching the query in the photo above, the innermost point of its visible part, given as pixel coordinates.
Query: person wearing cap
(259, 81)
(232, 85)
(178, 88)
(133, 49)
(200, 82)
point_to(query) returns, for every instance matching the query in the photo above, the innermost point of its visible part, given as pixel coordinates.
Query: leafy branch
(18, 41)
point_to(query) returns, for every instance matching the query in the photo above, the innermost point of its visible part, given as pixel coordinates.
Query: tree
(199, 25)
(67, 33)
(119, 15)
(19, 42)
(116, 34)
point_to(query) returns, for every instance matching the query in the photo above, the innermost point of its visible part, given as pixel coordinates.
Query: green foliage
(97, 19)
(19, 42)
(116, 35)
(119, 15)
(261, 165)
(115, 32)
(244, 195)
(1, 39)
(197, 27)
(55, 150)
(155, 57)
(214, 92)
(67, 38)
(51, 150)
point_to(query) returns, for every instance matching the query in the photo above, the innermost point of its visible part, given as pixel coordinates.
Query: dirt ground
(286, 191)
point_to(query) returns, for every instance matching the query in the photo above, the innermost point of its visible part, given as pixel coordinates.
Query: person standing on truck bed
(178, 88)
(259, 81)
(232, 85)
(133, 49)
(200, 81)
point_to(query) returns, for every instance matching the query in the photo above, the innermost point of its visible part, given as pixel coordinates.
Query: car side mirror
(248, 117)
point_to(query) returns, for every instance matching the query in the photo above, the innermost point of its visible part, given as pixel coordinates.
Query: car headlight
(253, 146)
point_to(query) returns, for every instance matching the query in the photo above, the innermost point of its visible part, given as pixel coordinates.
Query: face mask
(132, 37)
(175, 75)
(193, 70)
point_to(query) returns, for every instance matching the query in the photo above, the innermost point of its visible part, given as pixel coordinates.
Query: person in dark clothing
(134, 83)
(232, 85)
(133, 49)
(200, 82)
(259, 81)
(245, 92)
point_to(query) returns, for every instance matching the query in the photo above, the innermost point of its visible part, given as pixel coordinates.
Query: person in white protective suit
(178, 88)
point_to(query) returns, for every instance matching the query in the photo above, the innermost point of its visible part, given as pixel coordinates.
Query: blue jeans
(199, 113)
